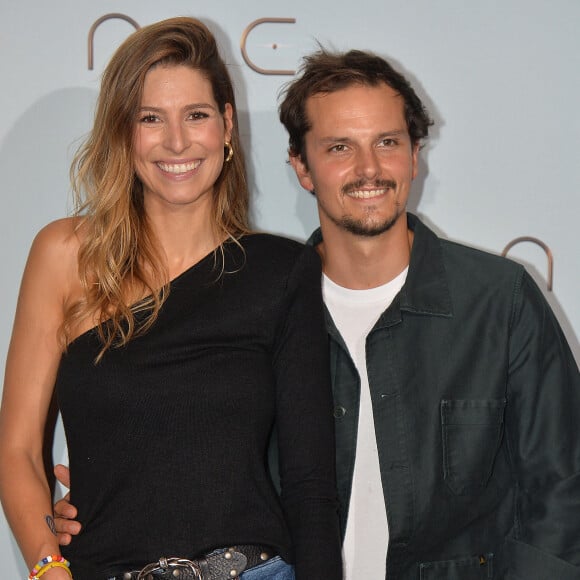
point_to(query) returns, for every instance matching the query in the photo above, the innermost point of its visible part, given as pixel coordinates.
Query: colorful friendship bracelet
(47, 567)
(47, 560)
(53, 561)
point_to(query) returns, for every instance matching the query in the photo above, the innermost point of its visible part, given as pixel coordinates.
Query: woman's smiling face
(179, 136)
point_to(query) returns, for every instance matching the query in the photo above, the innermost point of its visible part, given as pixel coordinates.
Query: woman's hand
(64, 511)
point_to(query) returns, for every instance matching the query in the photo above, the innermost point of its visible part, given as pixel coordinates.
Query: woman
(174, 339)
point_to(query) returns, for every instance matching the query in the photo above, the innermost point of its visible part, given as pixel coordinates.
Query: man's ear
(302, 172)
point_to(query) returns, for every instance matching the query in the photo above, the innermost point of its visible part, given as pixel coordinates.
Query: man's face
(359, 159)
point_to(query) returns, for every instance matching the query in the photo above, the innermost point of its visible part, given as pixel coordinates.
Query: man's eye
(389, 142)
(338, 148)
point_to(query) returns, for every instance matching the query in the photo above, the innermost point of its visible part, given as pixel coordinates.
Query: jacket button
(339, 412)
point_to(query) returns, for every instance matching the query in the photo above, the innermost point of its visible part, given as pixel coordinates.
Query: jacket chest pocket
(471, 432)
(475, 568)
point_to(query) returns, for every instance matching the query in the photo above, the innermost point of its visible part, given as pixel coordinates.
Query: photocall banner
(500, 172)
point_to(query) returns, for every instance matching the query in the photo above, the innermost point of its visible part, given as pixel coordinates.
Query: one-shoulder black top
(168, 435)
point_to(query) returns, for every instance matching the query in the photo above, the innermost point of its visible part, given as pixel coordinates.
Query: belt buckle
(166, 563)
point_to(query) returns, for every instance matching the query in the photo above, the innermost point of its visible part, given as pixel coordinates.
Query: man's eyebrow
(394, 133)
(336, 138)
(333, 139)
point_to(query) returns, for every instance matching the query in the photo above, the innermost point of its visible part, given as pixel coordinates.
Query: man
(457, 398)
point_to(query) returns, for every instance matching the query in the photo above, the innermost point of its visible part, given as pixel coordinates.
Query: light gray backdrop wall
(500, 77)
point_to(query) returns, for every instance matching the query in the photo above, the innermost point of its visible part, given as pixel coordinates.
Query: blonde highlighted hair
(118, 255)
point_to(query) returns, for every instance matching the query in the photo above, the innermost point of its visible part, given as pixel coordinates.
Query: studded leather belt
(225, 564)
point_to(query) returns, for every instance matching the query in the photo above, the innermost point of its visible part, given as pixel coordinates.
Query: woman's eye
(148, 118)
(198, 115)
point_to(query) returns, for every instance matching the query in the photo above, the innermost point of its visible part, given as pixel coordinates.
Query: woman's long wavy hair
(118, 255)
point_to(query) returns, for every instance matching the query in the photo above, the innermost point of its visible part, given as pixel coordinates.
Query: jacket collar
(426, 290)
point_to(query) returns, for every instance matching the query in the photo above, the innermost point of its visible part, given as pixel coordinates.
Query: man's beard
(365, 229)
(362, 227)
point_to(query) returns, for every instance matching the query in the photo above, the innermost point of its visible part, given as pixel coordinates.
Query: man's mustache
(363, 183)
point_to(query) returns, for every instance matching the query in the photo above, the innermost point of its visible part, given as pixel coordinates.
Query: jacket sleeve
(543, 430)
(305, 425)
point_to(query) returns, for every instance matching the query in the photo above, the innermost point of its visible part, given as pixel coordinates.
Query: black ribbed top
(168, 436)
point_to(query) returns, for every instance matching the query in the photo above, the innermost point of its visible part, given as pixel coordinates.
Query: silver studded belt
(225, 564)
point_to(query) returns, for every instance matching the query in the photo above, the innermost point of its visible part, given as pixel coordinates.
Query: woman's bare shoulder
(53, 256)
(60, 235)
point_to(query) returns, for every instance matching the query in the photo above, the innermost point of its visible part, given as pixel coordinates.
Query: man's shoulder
(475, 277)
(468, 266)
(461, 264)
(470, 256)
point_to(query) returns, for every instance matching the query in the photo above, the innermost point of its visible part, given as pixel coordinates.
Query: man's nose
(367, 164)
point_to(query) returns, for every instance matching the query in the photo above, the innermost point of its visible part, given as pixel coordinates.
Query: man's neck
(360, 262)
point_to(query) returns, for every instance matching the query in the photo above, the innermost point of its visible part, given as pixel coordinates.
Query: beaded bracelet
(47, 567)
(48, 562)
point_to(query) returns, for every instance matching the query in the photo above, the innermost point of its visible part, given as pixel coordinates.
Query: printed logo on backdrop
(547, 251)
(243, 41)
(97, 23)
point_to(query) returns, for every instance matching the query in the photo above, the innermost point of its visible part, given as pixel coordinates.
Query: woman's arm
(305, 425)
(48, 283)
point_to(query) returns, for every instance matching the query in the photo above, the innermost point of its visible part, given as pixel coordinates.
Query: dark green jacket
(476, 403)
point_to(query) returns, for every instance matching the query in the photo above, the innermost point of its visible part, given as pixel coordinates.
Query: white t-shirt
(355, 312)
